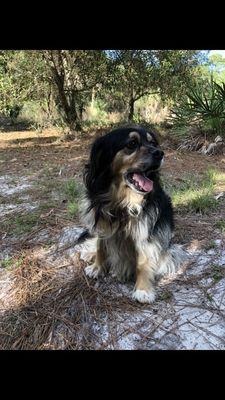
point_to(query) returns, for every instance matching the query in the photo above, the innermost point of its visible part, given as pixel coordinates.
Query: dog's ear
(157, 137)
(97, 171)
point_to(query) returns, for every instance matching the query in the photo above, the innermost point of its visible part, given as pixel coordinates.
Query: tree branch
(145, 94)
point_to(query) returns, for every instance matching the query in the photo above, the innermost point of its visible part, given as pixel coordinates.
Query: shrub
(36, 114)
(203, 105)
(96, 112)
(151, 109)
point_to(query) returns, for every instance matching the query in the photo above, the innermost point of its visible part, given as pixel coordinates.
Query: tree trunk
(131, 109)
(67, 105)
(49, 103)
(92, 98)
(69, 112)
(65, 99)
(81, 110)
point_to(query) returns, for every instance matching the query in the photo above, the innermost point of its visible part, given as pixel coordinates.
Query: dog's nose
(158, 154)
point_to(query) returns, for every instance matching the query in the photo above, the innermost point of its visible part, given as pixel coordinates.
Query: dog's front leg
(144, 291)
(94, 270)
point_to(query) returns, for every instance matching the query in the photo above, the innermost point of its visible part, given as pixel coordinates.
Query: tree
(213, 67)
(72, 78)
(143, 72)
(74, 74)
(131, 75)
(23, 76)
(10, 94)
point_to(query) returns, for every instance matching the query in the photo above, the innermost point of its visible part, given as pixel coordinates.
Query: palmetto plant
(205, 105)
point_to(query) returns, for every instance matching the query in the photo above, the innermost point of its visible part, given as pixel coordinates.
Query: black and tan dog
(127, 209)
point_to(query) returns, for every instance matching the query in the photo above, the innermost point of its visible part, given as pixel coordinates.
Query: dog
(127, 210)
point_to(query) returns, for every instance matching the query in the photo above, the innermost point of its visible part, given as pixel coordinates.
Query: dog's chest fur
(121, 256)
(122, 247)
(123, 233)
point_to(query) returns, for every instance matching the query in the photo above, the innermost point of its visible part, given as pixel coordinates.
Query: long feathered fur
(134, 231)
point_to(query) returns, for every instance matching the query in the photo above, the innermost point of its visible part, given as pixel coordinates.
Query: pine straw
(200, 144)
(193, 143)
(54, 308)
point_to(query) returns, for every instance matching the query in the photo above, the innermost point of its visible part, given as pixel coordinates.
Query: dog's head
(138, 159)
(128, 156)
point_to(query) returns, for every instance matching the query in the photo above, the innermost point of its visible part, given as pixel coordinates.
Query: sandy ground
(189, 311)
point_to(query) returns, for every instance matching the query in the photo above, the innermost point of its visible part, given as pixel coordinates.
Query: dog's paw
(144, 297)
(92, 271)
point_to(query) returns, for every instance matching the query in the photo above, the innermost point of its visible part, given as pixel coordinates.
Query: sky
(222, 52)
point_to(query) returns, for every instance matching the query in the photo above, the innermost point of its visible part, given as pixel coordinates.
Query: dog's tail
(84, 236)
(172, 260)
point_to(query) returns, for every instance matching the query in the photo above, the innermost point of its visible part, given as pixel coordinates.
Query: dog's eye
(132, 145)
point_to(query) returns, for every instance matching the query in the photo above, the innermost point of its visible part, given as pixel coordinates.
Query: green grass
(71, 192)
(68, 192)
(7, 262)
(217, 273)
(220, 225)
(197, 196)
(25, 223)
(10, 262)
(210, 245)
(202, 203)
(209, 296)
(72, 209)
(166, 295)
(13, 198)
(44, 207)
(70, 189)
(20, 224)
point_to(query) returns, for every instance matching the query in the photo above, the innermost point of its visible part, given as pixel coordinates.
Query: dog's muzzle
(138, 181)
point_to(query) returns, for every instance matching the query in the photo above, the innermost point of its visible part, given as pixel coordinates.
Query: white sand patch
(7, 209)
(6, 283)
(11, 185)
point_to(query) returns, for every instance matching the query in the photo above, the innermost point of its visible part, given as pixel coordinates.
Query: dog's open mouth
(139, 182)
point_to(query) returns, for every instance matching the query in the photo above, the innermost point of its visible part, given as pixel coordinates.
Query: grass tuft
(210, 245)
(197, 196)
(12, 262)
(72, 209)
(220, 225)
(70, 189)
(25, 223)
(217, 273)
(71, 192)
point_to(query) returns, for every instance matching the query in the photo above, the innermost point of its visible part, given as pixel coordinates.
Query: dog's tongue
(145, 183)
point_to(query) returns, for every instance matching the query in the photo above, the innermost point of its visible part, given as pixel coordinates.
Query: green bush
(203, 105)
(36, 114)
(96, 112)
(151, 109)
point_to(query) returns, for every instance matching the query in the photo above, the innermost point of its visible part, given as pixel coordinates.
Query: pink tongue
(145, 183)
